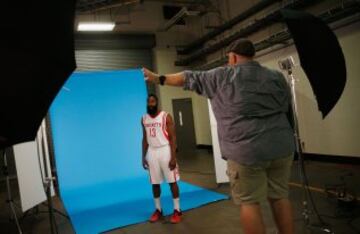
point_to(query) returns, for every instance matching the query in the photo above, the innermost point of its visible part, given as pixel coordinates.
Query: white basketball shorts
(158, 160)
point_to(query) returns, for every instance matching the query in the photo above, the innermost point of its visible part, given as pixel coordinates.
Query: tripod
(9, 199)
(287, 65)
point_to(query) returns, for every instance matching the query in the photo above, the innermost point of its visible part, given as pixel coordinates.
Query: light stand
(47, 186)
(10, 200)
(47, 178)
(287, 64)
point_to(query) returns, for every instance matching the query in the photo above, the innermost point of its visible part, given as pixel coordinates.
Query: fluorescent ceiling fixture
(96, 26)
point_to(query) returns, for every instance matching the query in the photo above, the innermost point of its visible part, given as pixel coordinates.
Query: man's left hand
(150, 76)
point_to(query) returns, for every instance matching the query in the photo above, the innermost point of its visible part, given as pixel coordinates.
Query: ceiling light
(96, 26)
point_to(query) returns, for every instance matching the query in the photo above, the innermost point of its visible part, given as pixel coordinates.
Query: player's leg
(156, 179)
(172, 176)
(176, 217)
(174, 191)
(156, 193)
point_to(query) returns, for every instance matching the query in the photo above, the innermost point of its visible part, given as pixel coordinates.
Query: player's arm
(172, 139)
(175, 79)
(145, 147)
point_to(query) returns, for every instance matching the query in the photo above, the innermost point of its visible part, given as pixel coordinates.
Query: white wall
(201, 118)
(164, 59)
(338, 133)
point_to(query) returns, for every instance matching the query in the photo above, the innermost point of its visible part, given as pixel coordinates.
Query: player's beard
(152, 110)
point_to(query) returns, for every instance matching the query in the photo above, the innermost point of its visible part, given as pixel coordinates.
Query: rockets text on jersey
(155, 127)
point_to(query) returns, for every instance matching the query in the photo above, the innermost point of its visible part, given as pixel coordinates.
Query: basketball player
(159, 157)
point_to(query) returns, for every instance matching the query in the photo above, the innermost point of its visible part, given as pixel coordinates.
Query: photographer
(250, 103)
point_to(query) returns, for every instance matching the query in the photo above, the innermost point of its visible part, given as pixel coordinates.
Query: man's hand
(172, 164)
(175, 79)
(145, 164)
(150, 76)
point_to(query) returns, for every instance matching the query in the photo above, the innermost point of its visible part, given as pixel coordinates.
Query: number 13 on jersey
(152, 132)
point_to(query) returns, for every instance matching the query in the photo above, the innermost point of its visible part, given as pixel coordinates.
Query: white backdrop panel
(29, 175)
(220, 164)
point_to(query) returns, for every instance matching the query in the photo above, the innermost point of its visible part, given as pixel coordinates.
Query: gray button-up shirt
(250, 103)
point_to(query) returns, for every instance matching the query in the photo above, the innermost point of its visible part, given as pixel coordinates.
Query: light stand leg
(47, 186)
(50, 207)
(9, 195)
(61, 213)
(56, 211)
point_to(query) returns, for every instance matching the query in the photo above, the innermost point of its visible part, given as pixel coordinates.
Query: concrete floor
(220, 217)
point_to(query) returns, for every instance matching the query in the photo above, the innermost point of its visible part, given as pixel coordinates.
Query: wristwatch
(162, 79)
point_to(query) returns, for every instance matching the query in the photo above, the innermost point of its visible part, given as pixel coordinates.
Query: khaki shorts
(256, 183)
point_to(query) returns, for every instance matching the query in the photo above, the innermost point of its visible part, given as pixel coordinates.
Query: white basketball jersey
(155, 128)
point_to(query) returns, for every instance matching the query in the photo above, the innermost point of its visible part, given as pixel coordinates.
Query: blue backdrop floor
(120, 204)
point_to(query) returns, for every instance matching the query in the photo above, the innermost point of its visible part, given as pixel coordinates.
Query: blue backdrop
(95, 121)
